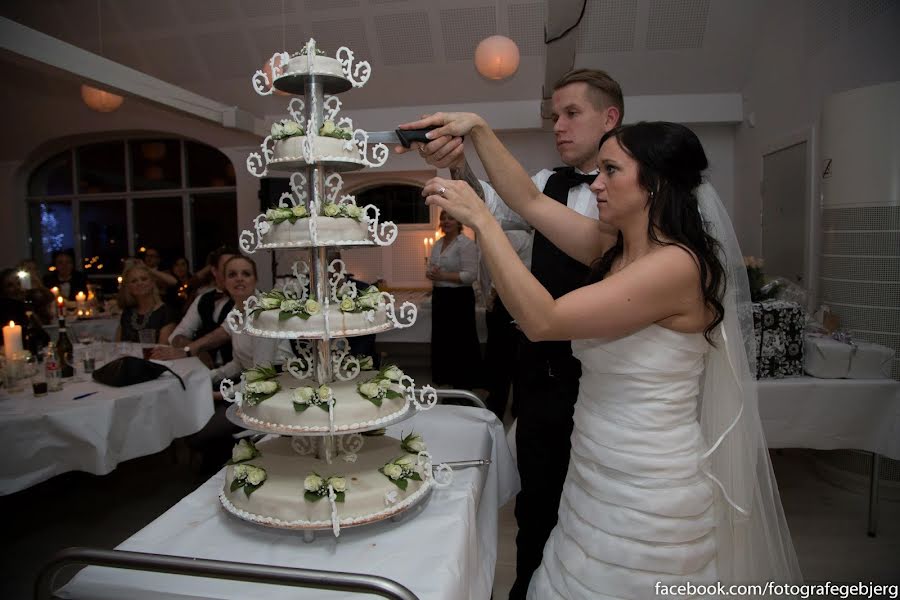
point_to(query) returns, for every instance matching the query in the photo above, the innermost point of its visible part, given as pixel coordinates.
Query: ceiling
(420, 51)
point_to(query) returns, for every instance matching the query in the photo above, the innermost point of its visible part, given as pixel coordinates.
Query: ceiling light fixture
(497, 57)
(96, 99)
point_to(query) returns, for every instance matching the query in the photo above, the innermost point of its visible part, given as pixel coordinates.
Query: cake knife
(404, 137)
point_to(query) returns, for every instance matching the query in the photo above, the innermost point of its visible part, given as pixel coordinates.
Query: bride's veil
(754, 544)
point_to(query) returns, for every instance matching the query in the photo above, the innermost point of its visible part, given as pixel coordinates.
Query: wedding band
(441, 190)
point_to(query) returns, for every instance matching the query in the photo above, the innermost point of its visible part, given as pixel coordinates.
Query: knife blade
(404, 137)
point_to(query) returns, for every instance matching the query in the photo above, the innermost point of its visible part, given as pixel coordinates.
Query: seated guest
(247, 350)
(64, 276)
(205, 314)
(162, 279)
(42, 300)
(12, 297)
(142, 307)
(176, 295)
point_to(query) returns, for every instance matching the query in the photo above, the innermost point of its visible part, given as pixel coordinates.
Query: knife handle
(408, 136)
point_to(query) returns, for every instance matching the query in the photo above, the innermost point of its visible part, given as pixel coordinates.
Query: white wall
(807, 51)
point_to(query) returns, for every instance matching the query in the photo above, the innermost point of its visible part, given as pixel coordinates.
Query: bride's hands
(454, 124)
(458, 199)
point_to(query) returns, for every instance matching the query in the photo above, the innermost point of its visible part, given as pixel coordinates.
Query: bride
(669, 479)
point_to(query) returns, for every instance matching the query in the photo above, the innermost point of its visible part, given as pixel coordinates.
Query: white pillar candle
(25, 278)
(12, 339)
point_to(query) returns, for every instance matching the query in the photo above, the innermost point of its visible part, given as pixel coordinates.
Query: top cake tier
(291, 72)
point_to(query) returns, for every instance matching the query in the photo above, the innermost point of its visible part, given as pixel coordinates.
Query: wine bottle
(35, 336)
(65, 350)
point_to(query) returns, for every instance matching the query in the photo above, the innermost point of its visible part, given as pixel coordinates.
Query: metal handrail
(218, 569)
(465, 394)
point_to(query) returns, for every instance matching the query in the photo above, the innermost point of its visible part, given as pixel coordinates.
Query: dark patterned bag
(778, 327)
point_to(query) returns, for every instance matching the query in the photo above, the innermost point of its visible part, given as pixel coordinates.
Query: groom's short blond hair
(604, 91)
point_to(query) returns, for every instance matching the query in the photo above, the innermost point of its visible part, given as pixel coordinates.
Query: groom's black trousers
(545, 391)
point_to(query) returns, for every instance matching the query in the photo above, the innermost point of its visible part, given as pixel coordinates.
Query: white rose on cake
(414, 443)
(299, 211)
(240, 471)
(331, 210)
(255, 475)
(311, 307)
(368, 302)
(244, 450)
(366, 363)
(269, 303)
(262, 387)
(405, 461)
(291, 128)
(324, 392)
(393, 471)
(277, 130)
(338, 484)
(393, 373)
(302, 395)
(312, 483)
(347, 304)
(370, 389)
(353, 211)
(327, 127)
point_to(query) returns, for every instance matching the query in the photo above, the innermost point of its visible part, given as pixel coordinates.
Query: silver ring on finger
(441, 191)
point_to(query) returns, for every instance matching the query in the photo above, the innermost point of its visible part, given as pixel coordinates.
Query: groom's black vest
(556, 270)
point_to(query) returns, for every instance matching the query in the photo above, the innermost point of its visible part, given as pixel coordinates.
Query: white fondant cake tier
(328, 230)
(325, 150)
(321, 65)
(280, 501)
(352, 412)
(340, 324)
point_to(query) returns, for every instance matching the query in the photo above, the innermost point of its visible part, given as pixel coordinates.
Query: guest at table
(176, 295)
(64, 276)
(42, 300)
(204, 316)
(162, 279)
(247, 350)
(142, 307)
(455, 352)
(12, 297)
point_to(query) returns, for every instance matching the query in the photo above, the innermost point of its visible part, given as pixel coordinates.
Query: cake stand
(328, 360)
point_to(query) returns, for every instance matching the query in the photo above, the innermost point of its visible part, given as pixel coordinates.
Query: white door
(784, 213)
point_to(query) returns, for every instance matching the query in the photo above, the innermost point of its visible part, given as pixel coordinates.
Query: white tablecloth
(830, 414)
(45, 436)
(445, 552)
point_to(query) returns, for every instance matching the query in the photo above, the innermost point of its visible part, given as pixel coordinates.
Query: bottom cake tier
(280, 487)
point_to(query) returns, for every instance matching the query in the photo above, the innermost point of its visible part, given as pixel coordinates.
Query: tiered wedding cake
(336, 467)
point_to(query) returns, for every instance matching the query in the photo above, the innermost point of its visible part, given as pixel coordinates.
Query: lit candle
(55, 290)
(25, 279)
(60, 307)
(80, 299)
(12, 339)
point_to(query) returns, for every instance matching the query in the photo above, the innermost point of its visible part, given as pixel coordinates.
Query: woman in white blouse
(455, 352)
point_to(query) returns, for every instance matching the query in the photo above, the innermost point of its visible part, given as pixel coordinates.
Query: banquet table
(830, 414)
(41, 437)
(446, 550)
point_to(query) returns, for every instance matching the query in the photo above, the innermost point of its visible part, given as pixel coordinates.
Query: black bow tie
(573, 179)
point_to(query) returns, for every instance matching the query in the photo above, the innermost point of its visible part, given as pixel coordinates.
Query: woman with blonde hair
(142, 307)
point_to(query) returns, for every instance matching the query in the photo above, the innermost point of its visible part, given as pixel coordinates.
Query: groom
(586, 104)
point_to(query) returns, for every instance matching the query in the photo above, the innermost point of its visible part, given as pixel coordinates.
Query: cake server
(404, 137)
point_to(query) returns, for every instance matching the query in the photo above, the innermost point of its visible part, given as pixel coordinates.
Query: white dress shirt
(581, 199)
(191, 322)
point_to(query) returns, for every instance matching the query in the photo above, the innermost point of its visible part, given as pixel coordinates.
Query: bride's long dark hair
(670, 162)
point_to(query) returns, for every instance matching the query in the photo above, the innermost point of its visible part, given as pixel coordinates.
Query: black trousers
(500, 358)
(546, 388)
(455, 351)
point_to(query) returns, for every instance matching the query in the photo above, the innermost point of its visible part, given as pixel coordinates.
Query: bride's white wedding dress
(636, 509)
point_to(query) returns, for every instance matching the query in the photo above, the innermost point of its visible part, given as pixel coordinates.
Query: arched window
(402, 204)
(109, 200)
